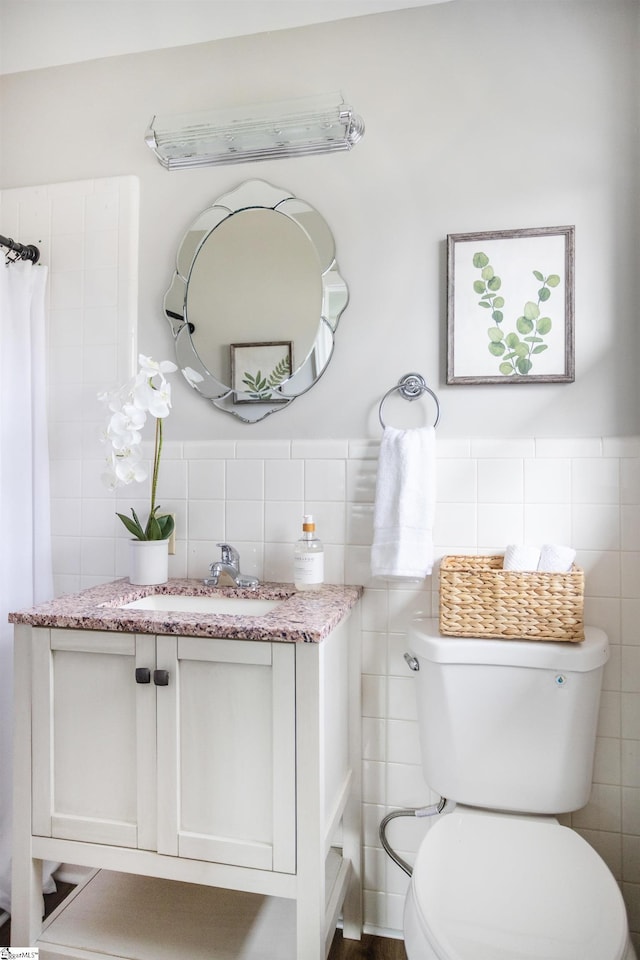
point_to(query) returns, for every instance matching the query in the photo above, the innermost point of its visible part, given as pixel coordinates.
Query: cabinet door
(93, 737)
(226, 752)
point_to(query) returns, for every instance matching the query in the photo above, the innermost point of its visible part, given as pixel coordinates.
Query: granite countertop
(306, 617)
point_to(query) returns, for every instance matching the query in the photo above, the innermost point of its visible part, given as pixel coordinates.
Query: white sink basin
(178, 603)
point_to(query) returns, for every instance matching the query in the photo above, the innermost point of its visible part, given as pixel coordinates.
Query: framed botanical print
(510, 300)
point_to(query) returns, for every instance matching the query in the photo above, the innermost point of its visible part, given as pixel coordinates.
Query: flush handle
(412, 662)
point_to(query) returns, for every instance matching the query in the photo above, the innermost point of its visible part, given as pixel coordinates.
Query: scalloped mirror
(255, 300)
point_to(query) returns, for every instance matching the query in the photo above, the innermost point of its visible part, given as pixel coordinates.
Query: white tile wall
(253, 492)
(257, 503)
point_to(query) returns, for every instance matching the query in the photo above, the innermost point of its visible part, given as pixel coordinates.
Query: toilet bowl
(490, 886)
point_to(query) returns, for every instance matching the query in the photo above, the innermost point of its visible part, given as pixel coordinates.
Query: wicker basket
(480, 599)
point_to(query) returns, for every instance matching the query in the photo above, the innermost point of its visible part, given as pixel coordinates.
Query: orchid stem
(156, 463)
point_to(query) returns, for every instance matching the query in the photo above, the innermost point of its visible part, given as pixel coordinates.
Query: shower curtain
(25, 537)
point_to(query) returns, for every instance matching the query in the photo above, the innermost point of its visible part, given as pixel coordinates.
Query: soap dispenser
(308, 558)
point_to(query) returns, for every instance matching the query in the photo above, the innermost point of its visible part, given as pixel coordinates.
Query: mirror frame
(256, 194)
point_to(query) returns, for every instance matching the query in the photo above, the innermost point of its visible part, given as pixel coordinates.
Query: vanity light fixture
(291, 128)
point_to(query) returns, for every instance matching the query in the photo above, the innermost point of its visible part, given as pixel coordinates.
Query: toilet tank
(508, 724)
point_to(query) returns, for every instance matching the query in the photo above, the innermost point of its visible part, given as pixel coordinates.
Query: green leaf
(280, 372)
(531, 310)
(495, 334)
(524, 325)
(132, 526)
(488, 272)
(522, 350)
(544, 325)
(523, 365)
(538, 275)
(543, 346)
(498, 316)
(553, 280)
(479, 286)
(480, 260)
(512, 340)
(153, 531)
(495, 283)
(498, 302)
(506, 369)
(533, 339)
(544, 293)
(487, 306)
(496, 349)
(166, 525)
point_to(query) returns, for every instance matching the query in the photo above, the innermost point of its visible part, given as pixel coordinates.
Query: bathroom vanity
(204, 760)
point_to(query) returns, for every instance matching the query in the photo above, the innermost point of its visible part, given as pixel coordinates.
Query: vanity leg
(27, 904)
(310, 900)
(352, 911)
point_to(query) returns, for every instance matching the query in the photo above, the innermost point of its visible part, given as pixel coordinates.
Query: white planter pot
(149, 561)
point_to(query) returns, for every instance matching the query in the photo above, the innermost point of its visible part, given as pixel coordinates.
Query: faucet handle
(229, 554)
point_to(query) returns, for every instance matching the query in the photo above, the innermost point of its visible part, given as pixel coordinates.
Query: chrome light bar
(292, 128)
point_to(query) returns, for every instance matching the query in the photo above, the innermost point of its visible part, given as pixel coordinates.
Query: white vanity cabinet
(223, 763)
(182, 745)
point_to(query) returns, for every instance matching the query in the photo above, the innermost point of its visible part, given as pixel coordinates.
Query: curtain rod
(22, 251)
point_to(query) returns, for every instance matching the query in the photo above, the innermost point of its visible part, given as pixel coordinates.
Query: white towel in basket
(405, 504)
(554, 558)
(521, 556)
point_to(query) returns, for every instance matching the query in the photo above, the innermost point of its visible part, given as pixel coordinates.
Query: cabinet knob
(161, 678)
(143, 675)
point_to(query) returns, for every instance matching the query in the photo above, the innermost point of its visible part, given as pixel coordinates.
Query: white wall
(52, 32)
(479, 115)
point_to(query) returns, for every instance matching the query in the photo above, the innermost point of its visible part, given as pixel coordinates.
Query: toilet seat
(492, 886)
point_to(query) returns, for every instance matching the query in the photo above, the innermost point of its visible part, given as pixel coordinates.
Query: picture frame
(259, 369)
(510, 306)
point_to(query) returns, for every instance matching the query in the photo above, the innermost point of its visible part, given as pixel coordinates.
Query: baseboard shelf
(128, 917)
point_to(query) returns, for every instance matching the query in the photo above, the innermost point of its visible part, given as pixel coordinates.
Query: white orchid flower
(153, 368)
(148, 392)
(154, 400)
(123, 468)
(124, 427)
(129, 471)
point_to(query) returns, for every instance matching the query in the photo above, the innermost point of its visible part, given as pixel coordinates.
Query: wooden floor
(369, 948)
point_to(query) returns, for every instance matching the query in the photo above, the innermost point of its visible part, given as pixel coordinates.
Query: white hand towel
(555, 558)
(405, 504)
(520, 556)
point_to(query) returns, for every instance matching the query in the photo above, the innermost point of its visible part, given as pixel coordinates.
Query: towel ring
(411, 386)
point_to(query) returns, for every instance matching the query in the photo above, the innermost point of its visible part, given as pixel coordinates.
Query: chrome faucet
(229, 563)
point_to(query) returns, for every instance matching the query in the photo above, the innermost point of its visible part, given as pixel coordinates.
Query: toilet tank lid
(427, 642)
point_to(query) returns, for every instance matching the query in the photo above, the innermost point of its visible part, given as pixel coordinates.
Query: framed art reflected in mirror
(259, 369)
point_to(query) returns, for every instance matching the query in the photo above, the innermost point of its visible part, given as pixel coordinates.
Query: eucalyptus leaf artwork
(260, 387)
(510, 303)
(514, 353)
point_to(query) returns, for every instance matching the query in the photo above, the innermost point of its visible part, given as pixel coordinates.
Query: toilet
(507, 735)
